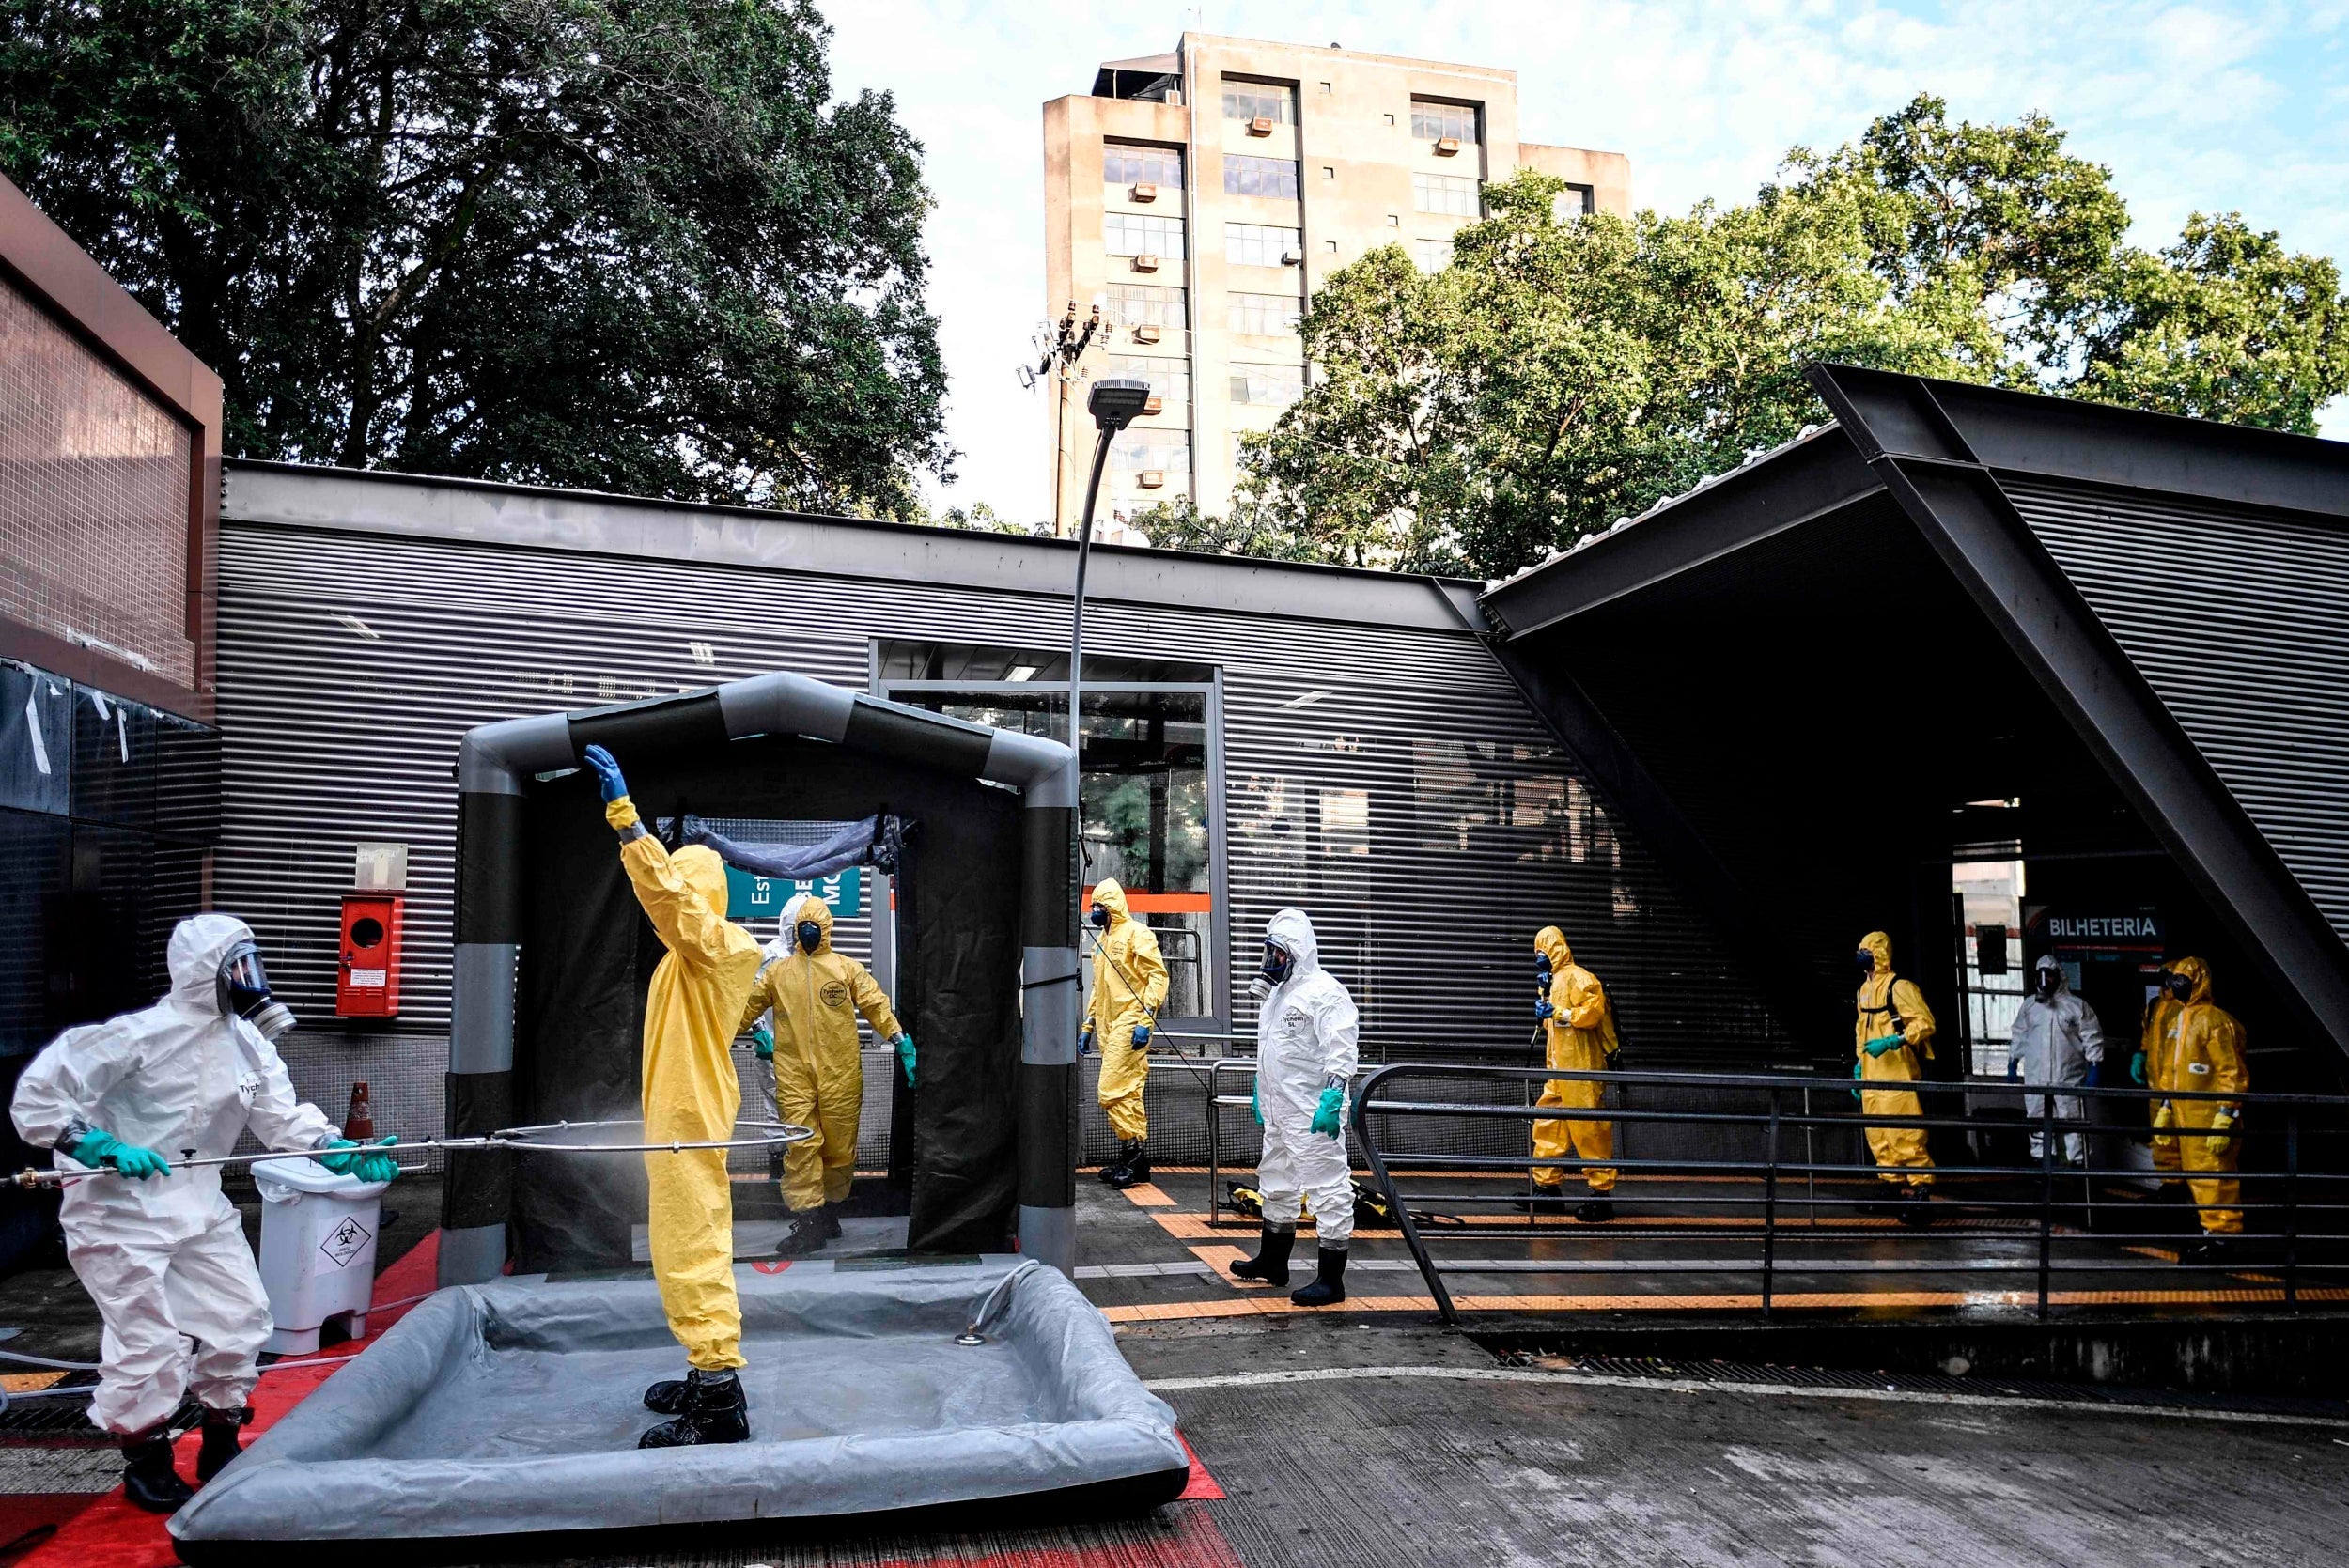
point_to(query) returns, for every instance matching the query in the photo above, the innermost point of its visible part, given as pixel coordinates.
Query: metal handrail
(2031, 1219)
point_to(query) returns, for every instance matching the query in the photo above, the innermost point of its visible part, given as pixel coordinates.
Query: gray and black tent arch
(502, 767)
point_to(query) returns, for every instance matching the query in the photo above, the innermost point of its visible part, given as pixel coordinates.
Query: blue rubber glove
(1084, 1042)
(2014, 1069)
(99, 1147)
(1142, 1036)
(1883, 1043)
(1542, 1011)
(2137, 1069)
(1328, 1114)
(2095, 1074)
(1255, 1104)
(607, 774)
(905, 1055)
(763, 1043)
(363, 1161)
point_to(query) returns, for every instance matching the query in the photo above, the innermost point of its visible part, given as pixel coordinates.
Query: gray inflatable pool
(512, 1409)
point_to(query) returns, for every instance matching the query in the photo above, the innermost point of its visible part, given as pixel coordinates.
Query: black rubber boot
(712, 1410)
(1547, 1201)
(1271, 1262)
(1117, 1168)
(223, 1441)
(1329, 1288)
(666, 1397)
(807, 1234)
(830, 1215)
(1597, 1210)
(1134, 1169)
(1915, 1206)
(2215, 1247)
(148, 1477)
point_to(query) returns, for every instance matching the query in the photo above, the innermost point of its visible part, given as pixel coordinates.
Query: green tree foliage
(1561, 374)
(621, 244)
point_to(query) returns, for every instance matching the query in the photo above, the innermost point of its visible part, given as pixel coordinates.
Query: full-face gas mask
(811, 935)
(1277, 964)
(2045, 977)
(243, 991)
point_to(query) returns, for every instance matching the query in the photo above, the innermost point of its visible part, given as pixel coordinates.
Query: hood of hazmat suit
(2055, 1038)
(1130, 977)
(1308, 1035)
(180, 1078)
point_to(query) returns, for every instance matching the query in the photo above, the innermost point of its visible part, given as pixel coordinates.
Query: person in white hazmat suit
(761, 1099)
(162, 1251)
(1307, 1036)
(2056, 1041)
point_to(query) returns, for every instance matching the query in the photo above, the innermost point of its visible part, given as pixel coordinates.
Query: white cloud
(2211, 107)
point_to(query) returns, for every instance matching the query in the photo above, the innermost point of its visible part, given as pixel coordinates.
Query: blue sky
(2210, 106)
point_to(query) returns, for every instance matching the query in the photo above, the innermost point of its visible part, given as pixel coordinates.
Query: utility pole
(1060, 347)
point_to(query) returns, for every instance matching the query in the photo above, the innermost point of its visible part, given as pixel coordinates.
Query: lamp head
(1118, 402)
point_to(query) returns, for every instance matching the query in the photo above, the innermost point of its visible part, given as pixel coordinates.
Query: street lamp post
(1115, 404)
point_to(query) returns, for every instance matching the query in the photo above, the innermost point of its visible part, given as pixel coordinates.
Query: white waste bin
(318, 1248)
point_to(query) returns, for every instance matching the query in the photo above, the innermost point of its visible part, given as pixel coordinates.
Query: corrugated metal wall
(2239, 620)
(351, 664)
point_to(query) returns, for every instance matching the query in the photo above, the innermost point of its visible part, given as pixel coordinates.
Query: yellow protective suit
(691, 1091)
(1128, 988)
(2151, 1031)
(1891, 1005)
(1582, 1031)
(2197, 1048)
(820, 1068)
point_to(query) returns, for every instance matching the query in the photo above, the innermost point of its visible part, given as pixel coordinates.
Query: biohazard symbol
(836, 993)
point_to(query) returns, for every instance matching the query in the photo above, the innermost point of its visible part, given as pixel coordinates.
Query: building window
(1263, 315)
(1168, 378)
(1142, 234)
(1244, 175)
(1246, 100)
(1436, 122)
(1140, 165)
(1136, 449)
(1433, 256)
(1147, 304)
(1575, 201)
(1455, 194)
(1267, 385)
(1258, 244)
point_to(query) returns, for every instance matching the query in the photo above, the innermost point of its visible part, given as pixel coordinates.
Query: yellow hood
(2197, 971)
(821, 912)
(1880, 945)
(1112, 897)
(1550, 943)
(704, 872)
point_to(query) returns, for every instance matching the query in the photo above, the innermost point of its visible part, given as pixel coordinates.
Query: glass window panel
(1244, 175)
(1169, 378)
(1152, 165)
(1136, 304)
(1137, 449)
(1259, 100)
(1433, 256)
(1433, 122)
(1142, 234)
(1263, 315)
(1273, 385)
(1575, 201)
(1459, 195)
(1259, 244)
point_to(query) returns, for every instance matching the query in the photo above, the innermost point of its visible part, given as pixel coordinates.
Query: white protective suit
(165, 1258)
(2054, 1041)
(1306, 1037)
(761, 1099)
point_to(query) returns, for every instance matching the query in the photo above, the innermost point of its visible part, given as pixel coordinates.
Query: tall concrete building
(1199, 197)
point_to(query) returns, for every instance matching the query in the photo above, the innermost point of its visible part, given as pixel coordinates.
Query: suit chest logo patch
(836, 993)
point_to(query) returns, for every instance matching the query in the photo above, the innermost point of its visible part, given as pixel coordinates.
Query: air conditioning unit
(1144, 190)
(1145, 262)
(1155, 405)
(1151, 478)
(1292, 257)
(1146, 333)
(1448, 147)
(1260, 126)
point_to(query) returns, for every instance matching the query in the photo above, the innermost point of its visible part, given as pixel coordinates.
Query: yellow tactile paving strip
(28, 1382)
(1190, 1226)
(1148, 1195)
(1272, 1303)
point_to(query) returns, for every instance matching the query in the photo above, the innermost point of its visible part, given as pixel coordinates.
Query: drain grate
(52, 1418)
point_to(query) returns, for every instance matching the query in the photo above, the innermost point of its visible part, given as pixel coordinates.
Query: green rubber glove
(763, 1043)
(99, 1147)
(1883, 1043)
(361, 1160)
(1328, 1114)
(2137, 1069)
(905, 1055)
(1255, 1106)
(1858, 1069)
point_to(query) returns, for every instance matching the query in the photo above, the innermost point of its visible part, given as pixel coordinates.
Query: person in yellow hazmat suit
(1892, 1039)
(2195, 1047)
(1128, 988)
(815, 995)
(1580, 1026)
(692, 1011)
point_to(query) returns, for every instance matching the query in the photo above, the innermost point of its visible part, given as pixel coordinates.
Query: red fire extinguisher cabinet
(367, 981)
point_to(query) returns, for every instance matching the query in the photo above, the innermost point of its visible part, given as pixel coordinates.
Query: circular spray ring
(554, 1138)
